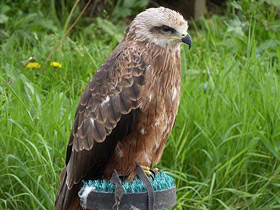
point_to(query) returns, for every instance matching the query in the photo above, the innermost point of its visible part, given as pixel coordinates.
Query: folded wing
(107, 112)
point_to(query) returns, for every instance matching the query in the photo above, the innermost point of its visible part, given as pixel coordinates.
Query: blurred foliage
(30, 20)
(244, 19)
(24, 20)
(126, 8)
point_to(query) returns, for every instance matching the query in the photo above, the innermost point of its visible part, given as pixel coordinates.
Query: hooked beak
(186, 38)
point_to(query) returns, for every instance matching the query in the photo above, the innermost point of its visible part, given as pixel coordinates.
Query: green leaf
(236, 5)
(275, 3)
(3, 19)
(109, 28)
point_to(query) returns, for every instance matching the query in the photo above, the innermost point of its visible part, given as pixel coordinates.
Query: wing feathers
(114, 91)
(125, 105)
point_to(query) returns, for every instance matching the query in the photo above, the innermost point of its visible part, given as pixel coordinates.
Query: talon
(155, 170)
(154, 173)
(150, 172)
(147, 171)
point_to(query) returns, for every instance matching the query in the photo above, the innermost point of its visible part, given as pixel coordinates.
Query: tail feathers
(67, 199)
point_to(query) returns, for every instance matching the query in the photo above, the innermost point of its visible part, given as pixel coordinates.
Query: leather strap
(151, 197)
(118, 190)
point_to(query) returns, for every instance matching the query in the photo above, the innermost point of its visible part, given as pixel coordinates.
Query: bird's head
(160, 26)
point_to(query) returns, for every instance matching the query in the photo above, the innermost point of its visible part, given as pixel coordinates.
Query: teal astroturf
(161, 181)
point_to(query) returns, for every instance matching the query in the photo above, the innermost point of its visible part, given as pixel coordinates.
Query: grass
(224, 150)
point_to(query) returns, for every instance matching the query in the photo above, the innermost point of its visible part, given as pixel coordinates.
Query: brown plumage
(127, 111)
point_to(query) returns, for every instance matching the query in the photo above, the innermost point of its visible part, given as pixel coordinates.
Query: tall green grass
(224, 150)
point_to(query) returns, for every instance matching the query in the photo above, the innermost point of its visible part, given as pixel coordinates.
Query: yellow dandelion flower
(56, 65)
(33, 65)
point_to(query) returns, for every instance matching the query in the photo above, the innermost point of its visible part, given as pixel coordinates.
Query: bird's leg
(150, 172)
(155, 170)
(147, 170)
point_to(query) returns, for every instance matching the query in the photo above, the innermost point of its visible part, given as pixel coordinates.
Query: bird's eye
(166, 28)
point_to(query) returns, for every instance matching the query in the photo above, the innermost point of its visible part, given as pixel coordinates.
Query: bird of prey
(128, 109)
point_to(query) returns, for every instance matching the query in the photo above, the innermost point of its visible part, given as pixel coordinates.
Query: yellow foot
(147, 170)
(150, 172)
(156, 170)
